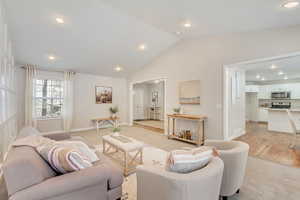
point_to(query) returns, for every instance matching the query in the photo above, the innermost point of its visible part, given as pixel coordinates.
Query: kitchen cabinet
(263, 115)
(264, 92)
(295, 91)
(252, 88)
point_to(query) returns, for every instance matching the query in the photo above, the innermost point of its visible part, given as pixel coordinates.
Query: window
(48, 98)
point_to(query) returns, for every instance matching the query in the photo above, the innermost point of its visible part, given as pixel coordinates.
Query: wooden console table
(200, 119)
(109, 120)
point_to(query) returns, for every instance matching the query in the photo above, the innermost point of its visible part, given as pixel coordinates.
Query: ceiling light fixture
(142, 47)
(187, 25)
(291, 4)
(280, 73)
(60, 20)
(118, 68)
(178, 33)
(263, 79)
(51, 58)
(156, 81)
(273, 67)
(286, 78)
(258, 76)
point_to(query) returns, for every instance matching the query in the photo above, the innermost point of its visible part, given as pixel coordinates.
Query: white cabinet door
(263, 114)
(264, 92)
(295, 90)
(252, 88)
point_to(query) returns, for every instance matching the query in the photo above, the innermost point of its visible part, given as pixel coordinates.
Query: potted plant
(116, 130)
(114, 111)
(176, 111)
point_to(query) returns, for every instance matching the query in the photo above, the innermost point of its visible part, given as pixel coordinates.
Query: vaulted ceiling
(274, 70)
(98, 35)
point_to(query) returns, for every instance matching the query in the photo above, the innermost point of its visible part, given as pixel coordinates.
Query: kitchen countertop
(282, 110)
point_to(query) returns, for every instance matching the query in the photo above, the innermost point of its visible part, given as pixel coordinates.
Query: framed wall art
(103, 95)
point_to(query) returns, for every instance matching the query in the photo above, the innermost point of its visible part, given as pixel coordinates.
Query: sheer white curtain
(30, 119)
(68, 92)
(8, 105)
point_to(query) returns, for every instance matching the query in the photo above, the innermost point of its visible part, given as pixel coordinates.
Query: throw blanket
(185, 161)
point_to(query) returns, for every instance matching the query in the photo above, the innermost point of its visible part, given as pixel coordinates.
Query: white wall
(203, 59)
(85, 107)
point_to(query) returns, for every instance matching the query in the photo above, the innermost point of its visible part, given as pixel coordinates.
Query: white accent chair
(296, 132)
(155, 183)
(234, 155)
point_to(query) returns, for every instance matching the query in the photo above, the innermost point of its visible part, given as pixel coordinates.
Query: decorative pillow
(63, 159)
(185, 161)
(82, 148)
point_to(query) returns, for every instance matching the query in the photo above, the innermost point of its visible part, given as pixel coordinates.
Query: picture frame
(189, 92)
(103, 95)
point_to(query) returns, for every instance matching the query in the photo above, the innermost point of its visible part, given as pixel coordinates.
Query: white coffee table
(132, 150)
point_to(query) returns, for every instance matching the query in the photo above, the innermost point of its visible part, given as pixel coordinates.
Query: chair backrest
(292, 121)
(23, 168)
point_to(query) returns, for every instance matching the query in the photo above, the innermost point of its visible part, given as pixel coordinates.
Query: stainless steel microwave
(281, 95)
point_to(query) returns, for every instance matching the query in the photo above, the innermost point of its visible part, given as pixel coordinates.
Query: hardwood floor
(272, 146)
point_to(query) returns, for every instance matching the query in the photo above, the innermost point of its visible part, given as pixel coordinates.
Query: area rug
(152, 156)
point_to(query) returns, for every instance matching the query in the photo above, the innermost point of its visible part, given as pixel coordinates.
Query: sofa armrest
(67, 183)
(58, 136)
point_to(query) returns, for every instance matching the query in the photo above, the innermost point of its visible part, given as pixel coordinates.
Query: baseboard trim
(236, 135)
(82, 129)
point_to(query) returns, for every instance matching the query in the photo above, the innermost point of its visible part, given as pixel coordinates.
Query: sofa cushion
(23, 168)
(115, 174)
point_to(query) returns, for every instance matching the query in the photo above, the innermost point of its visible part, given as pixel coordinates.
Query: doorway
(258, 97)
(148, 105)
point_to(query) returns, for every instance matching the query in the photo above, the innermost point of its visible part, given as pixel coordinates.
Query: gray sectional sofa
(29, 177)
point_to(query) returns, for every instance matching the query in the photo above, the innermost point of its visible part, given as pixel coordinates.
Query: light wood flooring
(272, 146)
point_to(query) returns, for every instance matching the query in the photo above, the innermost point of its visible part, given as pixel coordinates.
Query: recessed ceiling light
(273, 67)
(291, 4)
(118, 68)
(60, 20)
(286, 78)
(263, 79)
(178, 33)
(51, 58)
(280, 73)
(156, 81)
(258, 76)
(142, 47)
(187, 25)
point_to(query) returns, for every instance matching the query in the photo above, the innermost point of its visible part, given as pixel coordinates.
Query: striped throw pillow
(63, 159)
(186, 161)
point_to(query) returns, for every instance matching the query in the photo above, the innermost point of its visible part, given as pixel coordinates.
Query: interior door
(138, 105)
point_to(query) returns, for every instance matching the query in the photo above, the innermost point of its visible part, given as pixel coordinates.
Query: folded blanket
(185, 161)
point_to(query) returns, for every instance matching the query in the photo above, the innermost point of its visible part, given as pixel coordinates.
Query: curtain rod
(24, 67)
